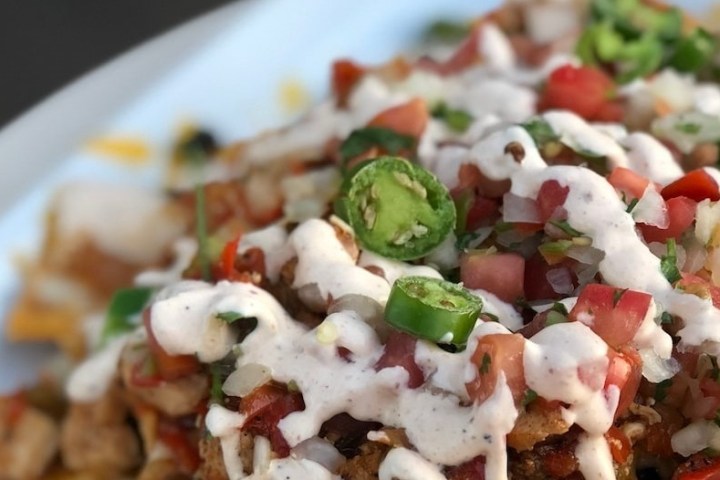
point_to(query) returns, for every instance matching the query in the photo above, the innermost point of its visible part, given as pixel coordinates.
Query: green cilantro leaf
(668, 263)
(361, 140)
(456, 119)
(125, 304)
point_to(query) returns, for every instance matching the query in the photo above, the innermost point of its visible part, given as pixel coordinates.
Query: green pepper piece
(432, 309)
(398, 209)
(125, 304)
(693, 52)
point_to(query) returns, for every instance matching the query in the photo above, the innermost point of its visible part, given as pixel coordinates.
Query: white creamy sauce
(403, 464)
(451, 435)
(651, 159)
(568, 362)
(594, 457)
(130, 223)
(91, 379)
(707, 98)
(495, 49)
(184, 318)
(506, 313)
(393, 269)
(272, 240)
(323, 261)
(580, 135)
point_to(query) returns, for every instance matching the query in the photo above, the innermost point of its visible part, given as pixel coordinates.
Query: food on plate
(498, 259)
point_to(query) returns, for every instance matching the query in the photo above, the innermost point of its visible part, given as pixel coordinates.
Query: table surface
(46, 44)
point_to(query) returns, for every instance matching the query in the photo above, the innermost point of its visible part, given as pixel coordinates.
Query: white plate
(223, 71)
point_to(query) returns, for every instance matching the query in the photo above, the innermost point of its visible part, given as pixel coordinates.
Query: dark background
(45, 44)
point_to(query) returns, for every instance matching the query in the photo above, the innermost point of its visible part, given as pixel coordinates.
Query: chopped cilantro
(668, 263)
(456, 119)
(565, 227)
(540, 131)
(361, 140)
(554, 317)
(126, 304)
(485, 365)
(529, 397)
(661, 389)
(633, 203)
(559, 308)
(229, 316)
(688, 127)
(446, 31)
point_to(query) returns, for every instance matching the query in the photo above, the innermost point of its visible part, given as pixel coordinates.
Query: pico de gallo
(498, 259)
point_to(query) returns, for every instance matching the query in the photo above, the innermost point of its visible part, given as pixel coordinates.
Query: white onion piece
(245, 379)
(319, 451)
(586, 273)
(651, 209)
(695, 257)
(706, 219)
(560, 280)
(713, 264)
(585, 254)
(520, 209)
(695, 437)
(368, 308)
(311, 297)
(657, 369)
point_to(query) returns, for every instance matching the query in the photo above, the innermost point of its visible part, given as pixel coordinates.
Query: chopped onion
(319, 451)
(713, 264)
(706, 219)
(520, 209)
(245, 379)
(585, 273)
(685, 130)
(695, 257)
(696, 437)
(585, 254)
(560, 280)
(311, 297)
(657, 369)
(368, 309)
(651, 209)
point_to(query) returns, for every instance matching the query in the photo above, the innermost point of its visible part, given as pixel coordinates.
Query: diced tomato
(471, 470)
(408, 118)
(610, 112)
(499, 273)
(400, 352)
(681, 214)
(625, 372)
(699, 467)
(551, 196)
(470, 176)
(169, 367)
(619, 443)
(696, 185)
(612, 313)
(629, 183)
(583, 90)
(264, 407)
(708, 407)
(464, 57)
(227, 257)
(345, 75)
(536, 285)
(497, 353)
(700, 287)
(481, 210)
(181, 444)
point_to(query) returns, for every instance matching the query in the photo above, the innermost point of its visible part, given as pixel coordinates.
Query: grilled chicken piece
(173, 398)
(29, 441)
(534, 425)
(95, 436)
